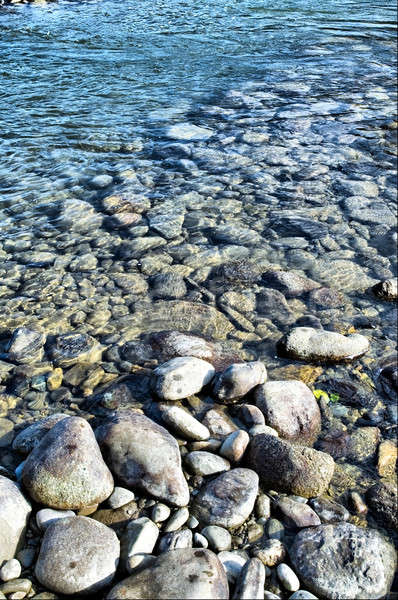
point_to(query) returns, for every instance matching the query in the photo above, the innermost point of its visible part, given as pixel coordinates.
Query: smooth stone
(143, 455)
(228, 500)
(176, 539)
(302, 595)
(11, 569)
(183, 422)
(328, 510)
(18, 587)
(139, 537)
(263, 506)
(234, 446)
(287, 577)
(274, 529)
(344, 561)
(31, 436)
(181, 377)
(251, 415)
(26, 346)
(137, 562)
(251, 580)
(46, 516)
(101, 181)
(177, 520)
(297, 514)
(199, 541)
(387, 290)
(66, 470)
(206, 463)
(218, 423)
(160, 513)
(14, 516)
(258, 429)
(185, 574)
(77, 556)
(271, 552)
(285, 467)
(233, 563)
(219, 538)
(290, 408)
(72, 348)
(237, 381)
(289, 283)
(120, 497)
(188, 132)
(308, 344)
(172, 344)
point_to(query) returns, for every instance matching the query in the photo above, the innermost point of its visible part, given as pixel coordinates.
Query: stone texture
(328, 510)
(218, 423)
(237, 381)
(176, 539)
(219, 538)
(228, 500)
(234, 446)
(14, 515)
(46, 516)
(306, 343)
(143, 455)
(387, 459)
(271, 552)
(290, 408)
(181, 377)
(26, 346)
(387, 290)
(183, 422)
(185, 574)
(77, 556)
(251, 580)
(72, 348)
(344, 561)
(289, 468)
(383, 501)
(139, 537)
(31, 436)
(297, 514)
(66, 470)
(291, 284)
(205, 463)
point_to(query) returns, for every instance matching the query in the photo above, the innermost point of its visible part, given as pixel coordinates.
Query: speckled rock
(308, 344)
(290, 408)
(289, 468)
(77, 556)
(26, 346)
(228, 500)
(31, 436)
(185, 574)
(344, 561)
(71, 348)
(66, 470)
(183, 422)
(291, 284)
(271, 552)
(181, 377)
(14, 515)
(237, 381)
(328, 510)
(144, 456)
(387, 290)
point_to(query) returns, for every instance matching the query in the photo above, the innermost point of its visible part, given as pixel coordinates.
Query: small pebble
(219, 538)
(274, 529)
(358, 504)
(233, 563)
(287, 577)
(257, 429)
(192, 522)
(120, 497)
(160, 513)
(302, 595)
(10, 570)
(234, 445)
(270, 596)
(263, 506)
(177, 520)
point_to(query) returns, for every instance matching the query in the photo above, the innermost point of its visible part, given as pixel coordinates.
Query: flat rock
(188, 132)
(308, 344)
(289, 283)
(14, 515)
(183, 422)
(77, 556)
(290, 408)
(181, 377)
(228, 500)
(71, 348)
(205, 463)
(344, 561)
(66, 470)
(297, 514)
(286, 467)
(26, 346)
(144, 456)
(184, 573)
(238, 379)
(31, 436)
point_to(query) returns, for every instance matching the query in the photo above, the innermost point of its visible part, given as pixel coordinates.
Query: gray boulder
(181, 377)
(144, 455)
(238, 379)
(26, 346)
(71, 348)
(308, 344)
(14, 515)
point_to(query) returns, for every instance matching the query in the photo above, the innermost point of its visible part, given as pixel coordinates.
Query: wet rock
(14, 515)
(297, 514)
(219, 538)
(251, 580)
(343, 275)
(144, 455)
(306, 343)
(30, 437)
(171, 344)
(188, 132)
(289, 283)
(101, 181)
(183, 422)
(168, 285)
(228, 500)
(344, 561)
(26, 346)
(181, 377)
(234, 446)
(79, 216)
(272, 304)
(218, 423)
(237, 381)
(206, 463)
(383, 501)
(176, 539)
(271, 552)
(326, 298)
(131, 282)
(328, 510)
(77, 556)
(66, 470)
(387, 290)
(351, 392)
(294, 224)
(185, 574)
(362, 444)
(387, 459)
(290, 408)
(71, 348)
(285, 467)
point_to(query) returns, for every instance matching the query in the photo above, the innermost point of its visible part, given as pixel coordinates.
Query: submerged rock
(71, 348)
(387, 290)
(26, 346)
(14, 515)
(306, 343)
(188, 132)
(181, 377)
(289, 283)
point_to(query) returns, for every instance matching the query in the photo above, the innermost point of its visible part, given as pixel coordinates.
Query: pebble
(328, 510)
(139, 537)
(275, 529)
(219, 538)
(271, 552)
(46, 516)
(181, 377)
(16, 586)
(387, 290)
(160, 513)
(177, 520)
(14, 514)
(176, 539)
(297, 514)
(387, 459)
(287, 577)
(184, 423)
(302, 595)
(199, 541)
(318, 345)
(237, 381)
(234, 446)
(250, 583)
(258, 429)
(263, 506)
(26, 346)
(11, 569)
(120, 497)
(206, 463)
(233, 562)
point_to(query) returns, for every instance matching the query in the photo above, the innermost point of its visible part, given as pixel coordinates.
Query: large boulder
(144, 455)
(309, 344)
(181, 377)
(344, 561)
(14, 515)
(290, 408)
(66, 470)
(288, 467)
(183, 573)
(78, 556)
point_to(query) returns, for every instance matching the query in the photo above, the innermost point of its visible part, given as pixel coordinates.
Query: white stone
(188, 131)
(160, 513)
(206, 463)
(10, 570)
(238, 379)
(302, 595)
(46, 516)
(120, 497)
(219, 538)
(181, 377)
(14, 515)
(177, 520)
(199, 541)
(307, 343)
(257, 429)
(140, 537)
(287, 577)
(184, 423)
(233, 562)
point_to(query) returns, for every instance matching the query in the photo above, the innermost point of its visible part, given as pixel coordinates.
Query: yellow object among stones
(54, 380)
(387, 459)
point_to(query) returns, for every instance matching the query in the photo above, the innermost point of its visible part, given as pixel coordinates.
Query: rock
(234, 446)
(79, 216)
(199, 541)
(233, 563)
(205, 463)
(218, 423)
(71, 348)
(344, 561)
(30, 437)
(120, 497)
(160, 513)
(14, 515)
(66, 469)
(237, 381)
(26, 346)
(176, 539)
(289, 283)
(285, 467)
(297, 514)
(287, 577)
(306, 343)
(136, 562)
(181, 377)
(251, 415)
(302, 595)
(272, 304)
(171, 344)
(188, 132)
(11, 569)
(263, 506)
(185, 574)
(77, 556)
(177, 520)
(144, 455)
(117, 518)
(101, 181)
(257, 429)
(387, 459)
(382, 499)
(290, 408)
(168, 285)
(183, 422)
(328, 510)
(228, 500)
(46, 516)
(325, 297)
(271, 552)
(218, 538)
(275, 529)
(387, 290)
(16, 588)
(6, 432)
(139, 537)
(251, 580)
